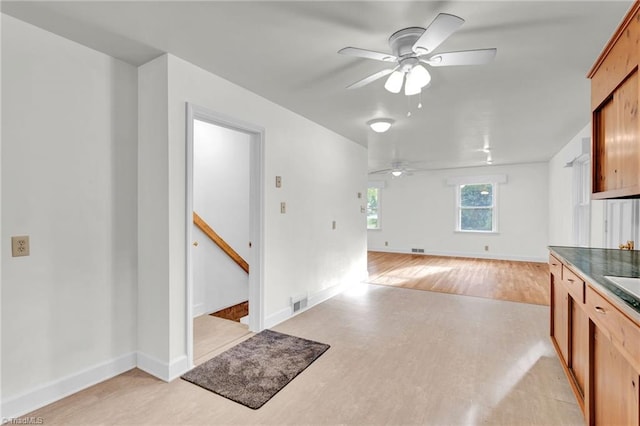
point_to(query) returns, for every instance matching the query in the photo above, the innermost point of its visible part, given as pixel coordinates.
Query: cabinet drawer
(574, 284)
(555, 267)
(623, 333)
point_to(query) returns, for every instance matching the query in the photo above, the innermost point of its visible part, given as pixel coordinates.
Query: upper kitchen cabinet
(614, 105)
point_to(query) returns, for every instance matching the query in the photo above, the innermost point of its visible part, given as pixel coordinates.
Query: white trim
(380, 184)
(153, 366)
(188, 234)
(379, 195)
(277, 317)
(313, 300)
(326, 294)
(55, 390)
(162, 370)
(178, 367)
(198, 310)
(463, 254)
(494, 209)
(256, 217)
(470, 180)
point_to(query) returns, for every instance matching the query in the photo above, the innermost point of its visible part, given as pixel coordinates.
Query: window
(582, 201)
(476, 207)
(373, 208)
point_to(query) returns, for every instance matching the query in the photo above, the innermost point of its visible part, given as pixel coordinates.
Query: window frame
(494, 208)
(378, 209)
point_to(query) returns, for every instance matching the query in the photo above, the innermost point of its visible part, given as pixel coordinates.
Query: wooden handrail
(204, 227)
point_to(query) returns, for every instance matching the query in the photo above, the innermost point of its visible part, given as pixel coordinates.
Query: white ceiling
(528, 103)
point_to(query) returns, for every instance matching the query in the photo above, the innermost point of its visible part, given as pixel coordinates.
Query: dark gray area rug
(252, 372)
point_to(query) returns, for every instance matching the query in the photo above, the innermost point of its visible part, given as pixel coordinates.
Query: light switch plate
(283, 207)
(278, 181)
(20, 246)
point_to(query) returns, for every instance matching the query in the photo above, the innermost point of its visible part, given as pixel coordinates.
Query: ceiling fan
(397, 169)
(411, 47)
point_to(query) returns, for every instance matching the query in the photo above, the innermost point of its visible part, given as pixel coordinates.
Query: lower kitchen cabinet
(598, 346)
(579, 348)
(615, 384)
(560, 317)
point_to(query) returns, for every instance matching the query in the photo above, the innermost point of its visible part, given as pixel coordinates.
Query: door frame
(256, 215)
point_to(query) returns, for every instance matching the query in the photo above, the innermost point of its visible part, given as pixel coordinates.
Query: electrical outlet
(283, 207)
(333, 225)
(486, 248)
(278, 181)
(386, 243)
(20, 246)
(359, 194)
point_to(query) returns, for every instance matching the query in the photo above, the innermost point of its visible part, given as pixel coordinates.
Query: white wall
(221, 198)
(419, 211)
(69, 182)
(322, 173)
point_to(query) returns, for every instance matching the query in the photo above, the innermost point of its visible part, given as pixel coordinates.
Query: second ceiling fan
(411, 48)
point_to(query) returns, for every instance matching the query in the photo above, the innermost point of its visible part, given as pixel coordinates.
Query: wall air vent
(416, 250)
(299, 303)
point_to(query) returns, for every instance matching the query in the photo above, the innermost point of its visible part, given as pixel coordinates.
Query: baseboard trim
(198, 310)
(277, 317)
(162, 370)
(178, 367)
(313, 300)
(55, 390)
(325, 294)
(466, 255)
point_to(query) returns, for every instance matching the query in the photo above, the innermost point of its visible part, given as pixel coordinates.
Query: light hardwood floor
(397, 357)
(526, 282)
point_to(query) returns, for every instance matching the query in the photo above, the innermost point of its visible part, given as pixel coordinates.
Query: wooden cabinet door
(560, 317)
(616, 161)
(614, 395)
(579, 347)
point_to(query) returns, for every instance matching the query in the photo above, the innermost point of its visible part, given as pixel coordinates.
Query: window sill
(476, 232)
(374, 229)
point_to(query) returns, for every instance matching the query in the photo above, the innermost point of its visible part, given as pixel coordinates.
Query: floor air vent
(299, 303)
(414, 250)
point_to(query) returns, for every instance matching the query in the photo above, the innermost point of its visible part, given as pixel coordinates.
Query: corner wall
(322, 174)
(69, 171)
(419, 211)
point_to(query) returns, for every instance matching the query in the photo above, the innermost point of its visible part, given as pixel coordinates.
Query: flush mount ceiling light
(380, 125)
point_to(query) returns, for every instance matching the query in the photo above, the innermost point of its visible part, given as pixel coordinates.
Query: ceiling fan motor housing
(401, 42)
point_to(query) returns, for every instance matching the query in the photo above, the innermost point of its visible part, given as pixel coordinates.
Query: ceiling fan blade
(380, 172)
(368, 54)
(465, 57)
(438, 31)
(370, 79)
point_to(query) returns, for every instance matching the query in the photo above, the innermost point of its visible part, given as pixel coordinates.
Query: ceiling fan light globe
(394, 82)
(397, 173)
(420, 75)
(411, 89)
(417, 78)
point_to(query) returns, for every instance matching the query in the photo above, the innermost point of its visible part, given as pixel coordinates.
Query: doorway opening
(224, 221)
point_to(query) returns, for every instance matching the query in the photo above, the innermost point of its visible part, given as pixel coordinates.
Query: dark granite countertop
(594, 263)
